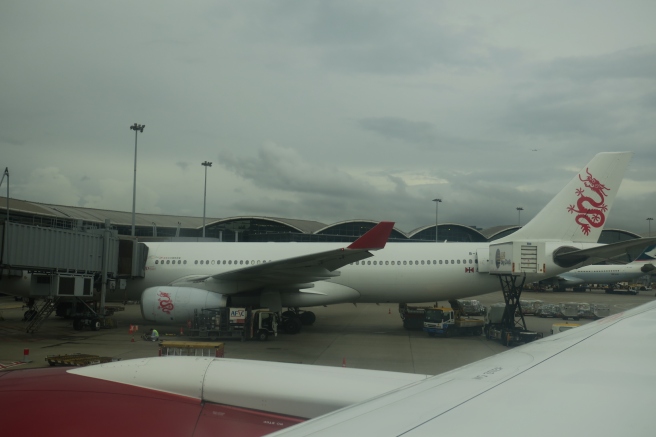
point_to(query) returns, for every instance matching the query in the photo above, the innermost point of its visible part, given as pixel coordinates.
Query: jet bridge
(65, 264)
(36, 248)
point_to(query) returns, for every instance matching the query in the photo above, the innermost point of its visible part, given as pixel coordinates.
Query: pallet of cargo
(77, 360)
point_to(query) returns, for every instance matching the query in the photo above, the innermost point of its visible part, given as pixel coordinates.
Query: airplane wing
(305, 269)
(598, 254)
(598, 379)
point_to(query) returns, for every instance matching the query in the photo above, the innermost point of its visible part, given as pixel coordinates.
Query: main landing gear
(294, 319)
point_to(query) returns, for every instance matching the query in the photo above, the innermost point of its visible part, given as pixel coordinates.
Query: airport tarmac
(367, 336)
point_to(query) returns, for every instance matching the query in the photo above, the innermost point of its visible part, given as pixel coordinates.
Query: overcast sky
(327, 110)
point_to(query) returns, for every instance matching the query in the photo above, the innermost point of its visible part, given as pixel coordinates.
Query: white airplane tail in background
(578, 213)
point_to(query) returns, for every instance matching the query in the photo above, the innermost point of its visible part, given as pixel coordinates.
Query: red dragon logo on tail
(165, 303)
(592, 214)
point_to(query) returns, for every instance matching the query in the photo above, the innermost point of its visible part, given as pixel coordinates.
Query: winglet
(375, 238)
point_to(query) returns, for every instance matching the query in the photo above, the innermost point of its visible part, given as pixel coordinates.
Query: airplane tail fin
(649, 255)
(578, 213)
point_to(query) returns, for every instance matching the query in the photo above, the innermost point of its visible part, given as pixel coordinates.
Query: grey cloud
(284, 169)
(400, 129)
(371, 37)
(635, 63)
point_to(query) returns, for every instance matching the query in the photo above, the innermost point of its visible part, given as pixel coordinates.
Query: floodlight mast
(6, 174)
(136, 128)
(519, 215)
(205, 164)
(437, 202)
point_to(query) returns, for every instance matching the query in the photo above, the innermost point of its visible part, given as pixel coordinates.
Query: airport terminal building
(247, 228)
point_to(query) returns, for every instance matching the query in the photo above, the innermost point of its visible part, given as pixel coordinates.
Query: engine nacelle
(177, 304)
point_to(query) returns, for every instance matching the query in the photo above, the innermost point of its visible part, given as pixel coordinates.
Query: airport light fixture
(205, 164)
(136, 128)
(437, 202)
(649, 220)
(6, 175)
(519, 215)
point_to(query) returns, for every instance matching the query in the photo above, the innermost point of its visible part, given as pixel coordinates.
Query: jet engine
(177, 304)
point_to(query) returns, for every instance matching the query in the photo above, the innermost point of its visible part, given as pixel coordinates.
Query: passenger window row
(213, 262)
(368, 263)
(416, 262)
(170, 261)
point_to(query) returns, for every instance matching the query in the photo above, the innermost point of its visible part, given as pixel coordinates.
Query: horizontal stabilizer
(375, 238)
(601, 253)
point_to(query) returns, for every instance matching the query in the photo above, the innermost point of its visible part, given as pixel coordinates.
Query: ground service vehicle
(412, 316)
(217, 323)
(501, 326)
(450, 321)
(560, 327)
(621, 288)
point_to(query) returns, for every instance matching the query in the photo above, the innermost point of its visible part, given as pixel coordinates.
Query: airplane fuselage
(399, 273)
(605, 274)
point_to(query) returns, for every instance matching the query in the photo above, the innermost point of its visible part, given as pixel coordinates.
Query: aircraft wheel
(96, 325)
(292, 325)
(307, 318)
(262, 335)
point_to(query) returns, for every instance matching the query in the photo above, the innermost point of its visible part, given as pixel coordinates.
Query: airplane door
(483, 255)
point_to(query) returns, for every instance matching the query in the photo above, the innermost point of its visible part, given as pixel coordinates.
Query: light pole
(649, 219)
(519, 215)
(6, 174)
(205, 164)
(136, 128)
(437, 202)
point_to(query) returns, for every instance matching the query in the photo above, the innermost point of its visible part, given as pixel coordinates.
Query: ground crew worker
(153, 335)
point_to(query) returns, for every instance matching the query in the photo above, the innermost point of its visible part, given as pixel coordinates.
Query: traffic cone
(131, 329)
(344, 362)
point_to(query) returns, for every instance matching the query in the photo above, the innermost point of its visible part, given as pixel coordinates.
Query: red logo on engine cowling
(593, 213)
(165, 303)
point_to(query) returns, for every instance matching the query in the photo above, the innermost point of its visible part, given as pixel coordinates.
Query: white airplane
(609, 273)
(594, 380)
(183, 277)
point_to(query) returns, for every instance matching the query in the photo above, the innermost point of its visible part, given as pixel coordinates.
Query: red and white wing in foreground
(182, 396)
(598, 379)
